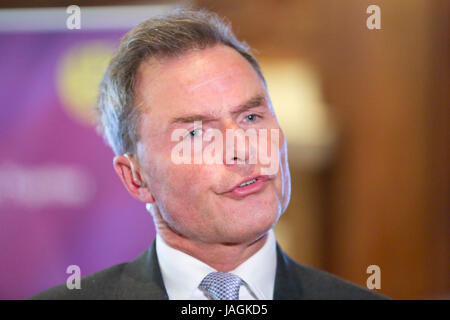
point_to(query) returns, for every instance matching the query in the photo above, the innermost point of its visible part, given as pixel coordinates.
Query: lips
(249, 185)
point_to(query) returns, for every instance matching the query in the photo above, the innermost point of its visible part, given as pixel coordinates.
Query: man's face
(194, 199)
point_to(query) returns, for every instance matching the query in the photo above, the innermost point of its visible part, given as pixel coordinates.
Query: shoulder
(305, 282)
(138, 279)
(99, 285)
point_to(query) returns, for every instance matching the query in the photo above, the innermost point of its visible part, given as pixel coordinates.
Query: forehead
(203, 80)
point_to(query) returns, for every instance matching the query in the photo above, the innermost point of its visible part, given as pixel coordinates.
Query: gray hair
(166, 36)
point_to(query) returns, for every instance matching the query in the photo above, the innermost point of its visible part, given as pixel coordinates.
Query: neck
(223, 257)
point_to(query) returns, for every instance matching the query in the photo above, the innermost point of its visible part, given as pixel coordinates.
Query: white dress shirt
(183, 273)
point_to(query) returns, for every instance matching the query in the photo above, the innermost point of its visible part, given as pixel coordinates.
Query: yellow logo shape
(79, 75)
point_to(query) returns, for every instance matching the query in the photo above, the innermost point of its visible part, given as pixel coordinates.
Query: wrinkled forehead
(209, 76)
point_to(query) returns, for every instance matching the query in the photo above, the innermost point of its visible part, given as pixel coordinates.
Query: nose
(239, 147)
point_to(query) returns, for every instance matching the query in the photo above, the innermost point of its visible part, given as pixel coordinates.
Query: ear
(128, 171)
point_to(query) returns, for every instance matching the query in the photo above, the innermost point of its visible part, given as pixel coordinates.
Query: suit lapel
(142, 278)
(287, 286)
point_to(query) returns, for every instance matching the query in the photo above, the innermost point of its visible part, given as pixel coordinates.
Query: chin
(248, 219)
(249, 228)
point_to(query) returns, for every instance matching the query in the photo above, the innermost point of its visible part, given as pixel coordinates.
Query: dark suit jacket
(141, 279)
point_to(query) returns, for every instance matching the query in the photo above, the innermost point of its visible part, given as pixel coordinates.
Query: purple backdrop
(61, 203)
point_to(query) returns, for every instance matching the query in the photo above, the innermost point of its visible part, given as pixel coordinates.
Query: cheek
(186, 194)
(186, 182)
(169, 179)
(179, 181)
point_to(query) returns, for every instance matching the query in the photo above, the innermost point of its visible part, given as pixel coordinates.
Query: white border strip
(92, 18)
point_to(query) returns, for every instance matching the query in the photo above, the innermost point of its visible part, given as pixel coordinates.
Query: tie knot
(221, 285)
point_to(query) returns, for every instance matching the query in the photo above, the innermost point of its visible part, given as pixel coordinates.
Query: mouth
(249, 185)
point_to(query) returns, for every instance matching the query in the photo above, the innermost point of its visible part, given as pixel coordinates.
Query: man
(186, 72)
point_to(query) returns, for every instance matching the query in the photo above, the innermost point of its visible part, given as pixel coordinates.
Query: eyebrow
(256, 101)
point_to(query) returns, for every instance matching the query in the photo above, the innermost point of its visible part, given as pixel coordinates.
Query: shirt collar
(261, 280)
(183, 273)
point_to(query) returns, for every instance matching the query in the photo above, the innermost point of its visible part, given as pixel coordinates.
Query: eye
(195, 133)
(252, 117)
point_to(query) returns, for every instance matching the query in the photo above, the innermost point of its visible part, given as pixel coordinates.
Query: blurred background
(365, 113)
